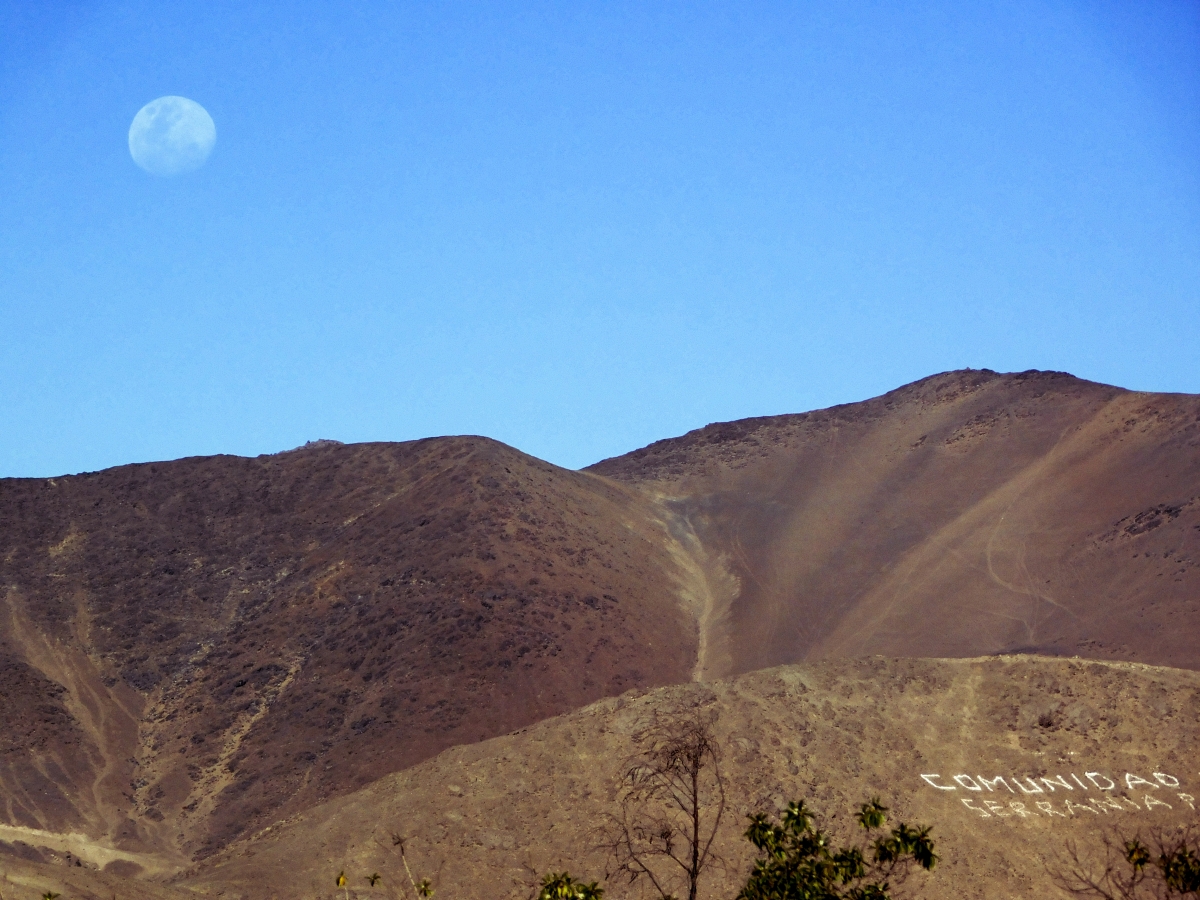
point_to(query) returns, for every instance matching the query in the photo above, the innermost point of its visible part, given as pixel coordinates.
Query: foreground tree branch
(1160, 867)
(671, 801)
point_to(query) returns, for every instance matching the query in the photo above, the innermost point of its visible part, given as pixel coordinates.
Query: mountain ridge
(197, 650)
(973, 484)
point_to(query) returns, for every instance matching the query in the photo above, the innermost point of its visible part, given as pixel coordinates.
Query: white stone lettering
(1109, 802)
(1099, 794)
(990, 783)
(1057, 779)
(1048, 808)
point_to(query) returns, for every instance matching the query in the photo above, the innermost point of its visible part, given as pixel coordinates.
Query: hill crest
(196, 650)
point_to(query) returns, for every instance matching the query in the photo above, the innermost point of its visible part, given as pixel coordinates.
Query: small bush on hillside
(561, 886)
(798, 862)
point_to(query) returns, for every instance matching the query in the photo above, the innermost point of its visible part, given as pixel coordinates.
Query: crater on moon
(171, 135)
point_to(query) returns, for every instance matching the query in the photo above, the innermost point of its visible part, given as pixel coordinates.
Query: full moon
(171, 135)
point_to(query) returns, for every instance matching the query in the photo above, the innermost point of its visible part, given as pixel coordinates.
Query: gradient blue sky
(579, 227)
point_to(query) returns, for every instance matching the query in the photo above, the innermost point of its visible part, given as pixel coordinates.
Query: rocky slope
(969, 513)
(193, 651)
(1077, 747)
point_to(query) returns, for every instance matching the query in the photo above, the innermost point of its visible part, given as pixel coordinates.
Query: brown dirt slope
(1078, 747)
(193, 649)
(966, 514)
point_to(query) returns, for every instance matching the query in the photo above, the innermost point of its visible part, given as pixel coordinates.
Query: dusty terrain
(835, 732)
(195, 651)
(966, 514)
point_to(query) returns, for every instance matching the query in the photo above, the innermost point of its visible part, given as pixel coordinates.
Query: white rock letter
(1108, 802)
(991, 784)
(1057, 779)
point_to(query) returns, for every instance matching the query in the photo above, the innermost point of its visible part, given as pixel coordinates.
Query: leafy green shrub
(797, 861)
(561, 886)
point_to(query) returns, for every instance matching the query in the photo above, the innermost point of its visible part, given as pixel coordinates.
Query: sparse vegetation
(561, 886)
(672, 798)
(1132, 869)
(422, 888)
(798, 861)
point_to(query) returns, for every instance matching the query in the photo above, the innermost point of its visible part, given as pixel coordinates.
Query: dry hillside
(192, 649)
(1080, 749)
(966, 514)
(835, 732)
(197, 650)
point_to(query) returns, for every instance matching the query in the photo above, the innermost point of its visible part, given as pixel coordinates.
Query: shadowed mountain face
(967, 514)
(192, 651)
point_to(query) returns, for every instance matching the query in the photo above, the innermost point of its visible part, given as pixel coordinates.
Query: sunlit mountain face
(197, 649)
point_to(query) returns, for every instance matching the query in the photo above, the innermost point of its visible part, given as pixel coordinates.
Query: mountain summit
(195, 650)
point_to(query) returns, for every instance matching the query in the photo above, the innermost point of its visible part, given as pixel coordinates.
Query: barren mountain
(1007, 758)
(193, 651)
(966, 514)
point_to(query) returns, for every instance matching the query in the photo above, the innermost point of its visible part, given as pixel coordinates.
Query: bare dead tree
(421, 890)
(671, 798)
(1162, 868)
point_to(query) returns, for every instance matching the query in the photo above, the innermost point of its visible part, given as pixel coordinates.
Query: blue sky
(579, 227)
